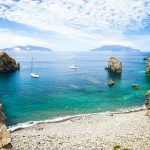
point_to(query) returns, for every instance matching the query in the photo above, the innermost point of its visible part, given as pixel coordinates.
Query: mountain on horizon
(116, 48)
(27, 48)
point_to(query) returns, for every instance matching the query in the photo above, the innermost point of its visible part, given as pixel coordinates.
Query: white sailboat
(73, 67)
(33, 74)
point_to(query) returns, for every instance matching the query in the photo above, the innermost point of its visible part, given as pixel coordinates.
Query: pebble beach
(87, 132)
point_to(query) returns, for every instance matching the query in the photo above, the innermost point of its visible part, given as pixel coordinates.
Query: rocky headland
(7, 63)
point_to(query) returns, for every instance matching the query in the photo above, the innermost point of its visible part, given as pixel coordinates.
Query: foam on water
(61, 119)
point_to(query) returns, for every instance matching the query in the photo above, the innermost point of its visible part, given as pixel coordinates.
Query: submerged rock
(111, 82)
(135, 86)
(7, 63)
(91, 79)
(114, 65)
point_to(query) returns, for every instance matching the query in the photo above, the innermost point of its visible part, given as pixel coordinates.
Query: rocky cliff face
(114, 65)
(7, 63)
(5, 137)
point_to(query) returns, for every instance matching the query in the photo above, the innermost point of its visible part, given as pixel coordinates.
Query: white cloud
(94, 21)
(10, 39)
(70, 16)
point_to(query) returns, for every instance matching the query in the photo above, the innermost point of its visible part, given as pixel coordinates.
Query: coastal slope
(87, 132)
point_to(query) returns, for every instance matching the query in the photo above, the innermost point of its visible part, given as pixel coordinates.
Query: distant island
(27, 48)
(116, 48)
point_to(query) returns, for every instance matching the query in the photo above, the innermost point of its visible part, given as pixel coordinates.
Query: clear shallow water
(60, 91)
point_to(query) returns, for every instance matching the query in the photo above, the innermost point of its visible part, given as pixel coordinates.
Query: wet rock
(7, 63)
(111, 82)
(114, 65)
(135, 86)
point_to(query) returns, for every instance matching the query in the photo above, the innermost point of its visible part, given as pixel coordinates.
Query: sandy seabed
(87, 132)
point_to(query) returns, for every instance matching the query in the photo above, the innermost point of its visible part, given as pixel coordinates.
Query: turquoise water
(60, 91)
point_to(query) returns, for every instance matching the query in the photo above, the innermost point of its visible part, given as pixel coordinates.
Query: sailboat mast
(32, 64)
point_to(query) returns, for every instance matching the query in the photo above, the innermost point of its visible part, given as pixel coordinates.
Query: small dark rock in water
(7, 63)
(114, 65)
(135, 86)
(111, 82)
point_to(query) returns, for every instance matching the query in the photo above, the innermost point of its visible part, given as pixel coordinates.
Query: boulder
(135, 86)
(7, 63)
(111, 82)
(5, 138)
(114, 65)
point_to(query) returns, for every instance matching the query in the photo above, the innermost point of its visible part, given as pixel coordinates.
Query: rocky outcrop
(5, 137)
(148, 68)
(135, 86)
(111, 82)
(147, 58)
(114, 65)
(147, 64)
(7, 63)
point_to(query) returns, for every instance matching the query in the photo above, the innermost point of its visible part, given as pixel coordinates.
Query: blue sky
(75, 25)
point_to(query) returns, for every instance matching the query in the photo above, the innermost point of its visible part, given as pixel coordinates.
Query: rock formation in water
(147, 58)
(135, 86)
(7, 63)
(111, 82)
(114, 65)
(5, 137)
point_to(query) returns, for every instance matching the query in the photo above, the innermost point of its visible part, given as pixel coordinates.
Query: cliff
(7, 63)
(5, 137)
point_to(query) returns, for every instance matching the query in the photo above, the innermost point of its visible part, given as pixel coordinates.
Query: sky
(75, 25)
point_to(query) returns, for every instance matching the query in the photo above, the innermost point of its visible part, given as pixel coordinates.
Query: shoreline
(27, 124)
(86, 132)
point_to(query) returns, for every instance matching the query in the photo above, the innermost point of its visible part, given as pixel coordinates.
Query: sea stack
(148, 64)
(7, 63)
(114, 65)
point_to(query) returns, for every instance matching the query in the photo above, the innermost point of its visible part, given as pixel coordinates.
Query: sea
(61, 91)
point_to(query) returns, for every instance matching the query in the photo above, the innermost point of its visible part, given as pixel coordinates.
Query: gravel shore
(87, 132)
